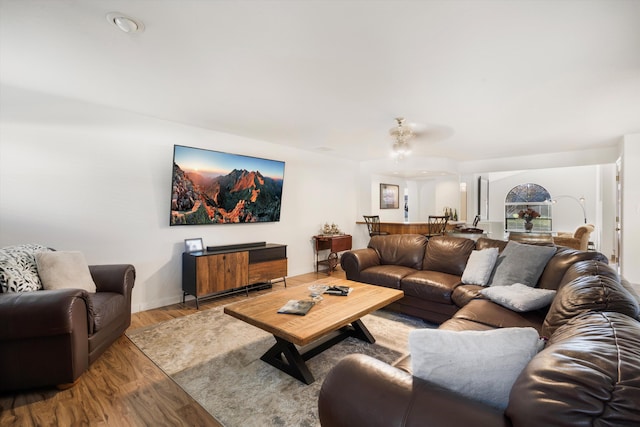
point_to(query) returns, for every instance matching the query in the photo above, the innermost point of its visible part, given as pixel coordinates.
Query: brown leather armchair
(50, 337)
(578, 240)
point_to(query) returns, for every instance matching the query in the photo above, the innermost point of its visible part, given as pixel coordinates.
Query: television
(212, 187)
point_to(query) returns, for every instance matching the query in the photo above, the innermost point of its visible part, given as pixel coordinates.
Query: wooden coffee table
(327, 323)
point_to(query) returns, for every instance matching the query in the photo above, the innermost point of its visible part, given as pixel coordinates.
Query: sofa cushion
(464, 293)
(400, 249)
(521, 263)
(430, 285)
(560, 262)
(385, 275)
(457, 324)
(18, 269)
(63, 270)
(589, 293)
(489, 313)
(587, 375)
(519, 297)
(109, 307)
(485, 243)
(480, 266)
(482, 365)
(447, 254)
(590, 267)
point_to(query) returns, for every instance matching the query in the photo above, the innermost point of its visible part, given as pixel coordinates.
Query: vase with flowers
(528, 215)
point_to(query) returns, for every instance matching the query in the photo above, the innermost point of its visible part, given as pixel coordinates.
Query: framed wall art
(389, 196)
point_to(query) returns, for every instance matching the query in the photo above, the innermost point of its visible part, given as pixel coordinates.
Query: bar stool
(373, 224)
(437, 225)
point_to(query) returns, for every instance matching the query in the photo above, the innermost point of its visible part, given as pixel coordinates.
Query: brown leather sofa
(587, 374)
(50, 337)
(429, 271)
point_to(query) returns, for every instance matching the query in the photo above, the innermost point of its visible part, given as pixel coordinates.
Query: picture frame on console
(193, 245)
(389, 196)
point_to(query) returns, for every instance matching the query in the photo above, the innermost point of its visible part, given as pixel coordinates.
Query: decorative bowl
(316, 291)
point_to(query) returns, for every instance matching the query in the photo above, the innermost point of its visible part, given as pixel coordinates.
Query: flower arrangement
(528, 214)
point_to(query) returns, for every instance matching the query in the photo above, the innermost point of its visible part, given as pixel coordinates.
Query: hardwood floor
(123, 387)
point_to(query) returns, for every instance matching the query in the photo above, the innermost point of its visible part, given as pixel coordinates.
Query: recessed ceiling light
(125, 23)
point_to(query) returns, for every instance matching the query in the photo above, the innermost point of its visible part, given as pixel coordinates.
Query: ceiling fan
(402, 133)
(405, 132)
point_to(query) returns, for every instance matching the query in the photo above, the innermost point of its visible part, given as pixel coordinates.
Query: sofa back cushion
(587, 375)
(447, 254)
(595, 290)
(485, 243)
(558, 265)
(400, 249)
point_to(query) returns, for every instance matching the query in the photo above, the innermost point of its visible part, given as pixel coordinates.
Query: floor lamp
(580, 201)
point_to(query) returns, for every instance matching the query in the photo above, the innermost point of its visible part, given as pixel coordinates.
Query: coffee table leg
(361, 332)
(294, 364)
(285, 356)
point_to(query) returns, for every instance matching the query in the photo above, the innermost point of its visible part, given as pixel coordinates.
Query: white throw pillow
(482, 365)
(64, 270)
(480, 266)
(519, 297)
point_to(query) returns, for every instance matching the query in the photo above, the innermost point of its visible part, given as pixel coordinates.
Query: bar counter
(415, 227)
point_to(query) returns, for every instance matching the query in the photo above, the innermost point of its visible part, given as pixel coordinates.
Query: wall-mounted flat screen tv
(212, 187)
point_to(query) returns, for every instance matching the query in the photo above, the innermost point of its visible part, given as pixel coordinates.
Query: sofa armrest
(353, 262)
(567, 241)
(43, 338)
(25, 315)
(118, 278)
(363, 391)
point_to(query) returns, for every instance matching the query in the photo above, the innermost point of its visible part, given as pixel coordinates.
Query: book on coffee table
(296, 306)
(338, 290)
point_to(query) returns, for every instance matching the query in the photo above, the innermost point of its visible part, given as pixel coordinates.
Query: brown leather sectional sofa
(587, 374)
(50, 337)
(429, 271)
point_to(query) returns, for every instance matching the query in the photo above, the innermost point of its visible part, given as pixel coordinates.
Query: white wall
(576, 182)
(76, 176)
(629, 261)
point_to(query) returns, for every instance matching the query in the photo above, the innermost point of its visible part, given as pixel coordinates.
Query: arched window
(527, 203)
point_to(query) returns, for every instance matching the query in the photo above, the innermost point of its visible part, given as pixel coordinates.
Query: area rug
(216, 359)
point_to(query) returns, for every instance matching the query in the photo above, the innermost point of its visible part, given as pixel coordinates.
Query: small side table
(334, 243)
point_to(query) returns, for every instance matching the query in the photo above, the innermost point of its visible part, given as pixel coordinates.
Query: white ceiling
(485, 79)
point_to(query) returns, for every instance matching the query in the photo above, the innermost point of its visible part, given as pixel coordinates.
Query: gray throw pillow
(519, 297)
(521, 263)
(481, 365)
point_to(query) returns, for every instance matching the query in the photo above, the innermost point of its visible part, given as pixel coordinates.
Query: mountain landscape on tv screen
(240, 196)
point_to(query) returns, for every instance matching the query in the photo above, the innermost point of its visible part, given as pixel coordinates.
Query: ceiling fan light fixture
(402, 134)
(125, 23)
